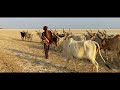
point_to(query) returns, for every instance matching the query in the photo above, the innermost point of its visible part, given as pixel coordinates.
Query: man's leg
(46, 51)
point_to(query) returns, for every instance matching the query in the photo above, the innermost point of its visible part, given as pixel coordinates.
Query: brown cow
(112, 44)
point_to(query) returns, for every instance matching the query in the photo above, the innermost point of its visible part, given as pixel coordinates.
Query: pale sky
(37, 23)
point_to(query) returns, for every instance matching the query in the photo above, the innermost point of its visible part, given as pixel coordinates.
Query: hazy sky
(37, 23)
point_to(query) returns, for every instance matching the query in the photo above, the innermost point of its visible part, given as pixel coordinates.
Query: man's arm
(42, 37)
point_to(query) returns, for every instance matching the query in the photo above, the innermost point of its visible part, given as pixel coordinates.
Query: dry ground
(23, 56)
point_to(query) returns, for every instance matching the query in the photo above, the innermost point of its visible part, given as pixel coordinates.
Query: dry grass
(23, 56)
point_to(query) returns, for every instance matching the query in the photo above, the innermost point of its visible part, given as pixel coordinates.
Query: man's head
(45, 28)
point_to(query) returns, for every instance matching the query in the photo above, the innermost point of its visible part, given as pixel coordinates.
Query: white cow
(78, 37)
(60, 44)
(81, 49)
(28, 36)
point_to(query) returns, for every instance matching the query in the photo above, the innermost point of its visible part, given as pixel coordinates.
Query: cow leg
(53, 45)
(106, 57)
(75, 64)
(56, 48)
(113, 54)
(64, 52)
(22, 38)
(65, 66)
(80, 62)
(60, 50)
(106, 54)
(111, 59)
(25, 37)
(95, 64)
(118, 54)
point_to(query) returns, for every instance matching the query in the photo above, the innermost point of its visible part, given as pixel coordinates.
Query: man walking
(47, 39)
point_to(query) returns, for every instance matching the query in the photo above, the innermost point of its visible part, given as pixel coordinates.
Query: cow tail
(101, 55)
(99, 51)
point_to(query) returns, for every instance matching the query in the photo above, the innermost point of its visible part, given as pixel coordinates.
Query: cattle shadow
(25, 55)
(24, 40)
(36, 47)
(35, 44)
(41, 47)
(112, 64)
(51, 50)
(17, 39)
(98, 59)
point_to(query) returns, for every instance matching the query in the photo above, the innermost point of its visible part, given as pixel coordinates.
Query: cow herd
(26, 36)
(84, 45)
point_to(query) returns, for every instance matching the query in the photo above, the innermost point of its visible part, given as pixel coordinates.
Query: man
(47, 39)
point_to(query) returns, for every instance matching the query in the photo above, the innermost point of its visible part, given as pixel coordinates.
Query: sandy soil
(23, 56)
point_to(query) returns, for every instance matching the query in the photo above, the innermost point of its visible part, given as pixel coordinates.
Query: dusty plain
(24, 56)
